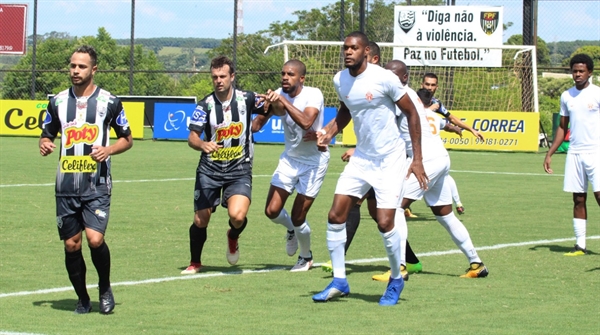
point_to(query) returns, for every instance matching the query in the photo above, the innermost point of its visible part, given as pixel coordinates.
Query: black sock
(410, 255)
(197, 239)
(101, 260)
(76, 270)
(234, 234)
(352, 223)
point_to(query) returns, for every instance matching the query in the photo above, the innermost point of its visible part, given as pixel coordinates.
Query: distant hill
(565, 49)
(158, 43)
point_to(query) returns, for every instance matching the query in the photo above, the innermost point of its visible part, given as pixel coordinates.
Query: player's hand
(416, 168)
(547, 162)
(323, 139)
(346, 155)
(210, 147)
(100, 153)
(434, 107)
(310, 135)
(477, 134)
(47, 148)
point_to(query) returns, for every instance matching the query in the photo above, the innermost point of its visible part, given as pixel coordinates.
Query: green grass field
(517, 216)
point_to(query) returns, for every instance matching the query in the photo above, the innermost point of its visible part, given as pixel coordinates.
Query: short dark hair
(430, 75)
(220, 61)
(375, 50)
(425, 96)
(298, 65)
(582, 59)
(361, 36)
(88, 49)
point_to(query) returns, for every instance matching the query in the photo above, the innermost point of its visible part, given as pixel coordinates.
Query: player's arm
(559, 137)
(407, 107)
(50, 129)
(337, 124)
(455, 120)
(259, 121)
(197, 124)
(449, 127)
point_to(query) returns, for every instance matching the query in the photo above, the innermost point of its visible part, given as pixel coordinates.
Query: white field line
(268, 175)
(3, 332)
(282, 268)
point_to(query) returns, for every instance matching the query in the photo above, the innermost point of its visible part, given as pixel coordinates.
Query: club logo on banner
(171, 120)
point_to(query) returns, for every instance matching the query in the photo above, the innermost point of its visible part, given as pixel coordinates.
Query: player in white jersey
(369, 95)
(302, 166)
(437, 195)
(580, 107)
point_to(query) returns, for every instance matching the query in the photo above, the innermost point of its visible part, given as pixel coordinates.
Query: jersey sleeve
(119, 121)
(255, 105)
(442, 109)
(51, 125)
(393, 86)
(315, 99)
(336, 85)
(564, 110)
(199, 117)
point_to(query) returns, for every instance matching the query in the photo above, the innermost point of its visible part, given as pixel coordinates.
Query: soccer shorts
(579, 169)
(208, 189)
(74, 214)
(438, 192)
(292, 174)
(385, 175)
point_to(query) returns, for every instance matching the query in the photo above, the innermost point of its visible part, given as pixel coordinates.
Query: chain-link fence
(174, 62)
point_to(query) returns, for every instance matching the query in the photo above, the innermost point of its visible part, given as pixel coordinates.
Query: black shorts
(208, 189)
(74, 214)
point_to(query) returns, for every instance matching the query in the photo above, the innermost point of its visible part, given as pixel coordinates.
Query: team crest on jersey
(101, 110)
(122, 119)
(369, 96)
(406, 20)
(82, 102)
(199, 115)
(489, 22)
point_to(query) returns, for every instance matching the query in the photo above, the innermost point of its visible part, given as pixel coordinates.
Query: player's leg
(455, 197)
(283, 183)
(302, 205)
(577, 167)
(70, 225)
(236, 197)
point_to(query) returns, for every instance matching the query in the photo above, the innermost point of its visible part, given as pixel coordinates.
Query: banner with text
(432, 33)
(503, 131)
(25, 117)
(171, 120)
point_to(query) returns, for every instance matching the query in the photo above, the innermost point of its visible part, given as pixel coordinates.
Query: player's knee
(72, 245)
(335, 216)
(95, 241)
(272, 212)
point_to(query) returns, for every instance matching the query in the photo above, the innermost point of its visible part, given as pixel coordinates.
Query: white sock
(454, 189)
(460, 236)
(400, 223)
(284, 219)
(579, 228)
(336, 241)
(391, 242)
(303, 236)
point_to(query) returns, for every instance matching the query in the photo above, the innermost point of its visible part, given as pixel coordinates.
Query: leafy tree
(592, 51)
(543, 53)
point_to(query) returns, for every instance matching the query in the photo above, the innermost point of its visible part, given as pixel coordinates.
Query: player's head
(425, 95)
(399, 69)
(581, 66)
(430, 82)
(356, 49)
(222, 73)
(374, 55)
(82, 66)
(292, 76)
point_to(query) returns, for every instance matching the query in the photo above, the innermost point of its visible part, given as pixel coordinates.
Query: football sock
(101, 260)
(303, 236)
(234, 233)
(76, 270)
(391, 241)
(284, 219)
(400, 225)
(579, 228)
(352, 223)
(460, 236)
(454, 190)
(410, 255)
(197, 239)
(336, 238)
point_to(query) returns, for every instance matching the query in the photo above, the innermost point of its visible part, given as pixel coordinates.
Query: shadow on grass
(65, 304)
(558, 248)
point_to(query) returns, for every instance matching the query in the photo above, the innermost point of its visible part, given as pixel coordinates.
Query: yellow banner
(25, 117)
(503, 131)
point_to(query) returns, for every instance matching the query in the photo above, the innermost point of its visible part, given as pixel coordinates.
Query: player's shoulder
(60, 97)
(312, 90)
(105, 96)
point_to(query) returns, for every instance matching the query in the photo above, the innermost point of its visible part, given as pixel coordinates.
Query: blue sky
(559, 20)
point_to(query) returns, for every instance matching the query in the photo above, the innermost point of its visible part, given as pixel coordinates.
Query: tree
(542, 51)
(590, 50)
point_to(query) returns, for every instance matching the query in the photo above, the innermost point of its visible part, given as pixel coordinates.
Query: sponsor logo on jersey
(369, 96)
(47, 119)
(258, 102)
(77, 164)
(87, 133)
(199, 115)
(227, 154)
(234, 130)
(122, 119)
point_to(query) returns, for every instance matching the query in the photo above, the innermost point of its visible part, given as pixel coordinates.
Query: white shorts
(386, 176)
(292, 174)
(439, 192)
(579, 169)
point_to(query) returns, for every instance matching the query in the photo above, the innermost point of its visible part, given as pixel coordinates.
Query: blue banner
(272, 132)
(171, 120)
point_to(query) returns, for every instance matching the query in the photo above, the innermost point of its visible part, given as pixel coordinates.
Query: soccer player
(83, 115)
(437, 195)
(224, 173)
(579, 107)
(302, 166)
(369, 95)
